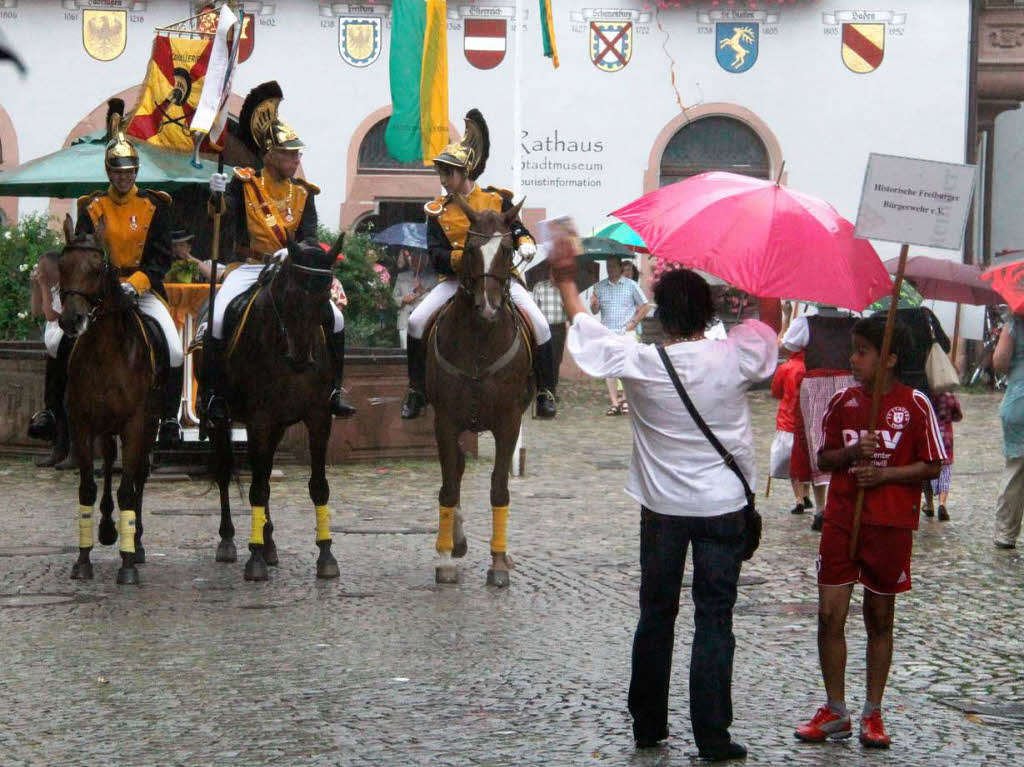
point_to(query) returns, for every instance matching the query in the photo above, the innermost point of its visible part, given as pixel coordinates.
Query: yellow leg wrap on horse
(323, 523)
(499, 529)
(127, 524)
(84, 527)
(259, 519)
(446, 522)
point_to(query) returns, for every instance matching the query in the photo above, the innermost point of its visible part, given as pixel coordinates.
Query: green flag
(402, 136)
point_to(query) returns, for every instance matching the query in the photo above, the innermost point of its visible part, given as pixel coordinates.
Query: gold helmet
(471, 151)
(260, 127)
(120, 153)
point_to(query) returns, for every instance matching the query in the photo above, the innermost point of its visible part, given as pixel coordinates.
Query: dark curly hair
(872, 330)
(684, 303)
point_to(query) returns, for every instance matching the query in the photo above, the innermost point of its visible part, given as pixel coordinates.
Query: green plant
(371, 316)
(21, 245)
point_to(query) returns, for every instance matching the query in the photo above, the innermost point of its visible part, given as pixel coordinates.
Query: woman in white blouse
(688, 496)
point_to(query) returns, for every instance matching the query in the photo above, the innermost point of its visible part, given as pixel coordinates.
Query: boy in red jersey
(889, 463)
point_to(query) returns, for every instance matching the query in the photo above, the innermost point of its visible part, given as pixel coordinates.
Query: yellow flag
(434, 82)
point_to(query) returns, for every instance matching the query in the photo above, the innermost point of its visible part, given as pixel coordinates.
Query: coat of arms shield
(611, 44)
(359, 39)
(863, 47)
(736, 45)
(104, 33)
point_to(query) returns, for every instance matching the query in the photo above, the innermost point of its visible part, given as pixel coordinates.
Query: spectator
(622, 305)
(52, 423)
(947, 411)
(687, 494)
(786, 388)
(411, 284)
(629, 271)
(549, 300)
(1009, 358)
(181, 245)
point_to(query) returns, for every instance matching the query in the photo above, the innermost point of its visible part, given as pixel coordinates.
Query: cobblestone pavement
(383, 667)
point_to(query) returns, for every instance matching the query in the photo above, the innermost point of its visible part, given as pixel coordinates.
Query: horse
(739, 35)
(278, 374)
(113, 391)
(479, 378)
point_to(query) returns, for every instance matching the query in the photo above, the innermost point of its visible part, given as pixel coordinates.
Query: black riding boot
(544, 369)
(61, 441)
(213, 404)
(339, 407)
(415, 398)
(70, 462)
(170, 430)
(44, 422)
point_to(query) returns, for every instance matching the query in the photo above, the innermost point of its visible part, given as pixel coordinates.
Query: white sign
(916, 202)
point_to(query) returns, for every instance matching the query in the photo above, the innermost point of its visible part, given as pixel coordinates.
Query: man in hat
(459, 166)
(137, 238)
(181, 245)
(263, 210)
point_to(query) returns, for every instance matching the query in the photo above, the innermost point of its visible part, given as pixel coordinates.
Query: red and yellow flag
(170, 93)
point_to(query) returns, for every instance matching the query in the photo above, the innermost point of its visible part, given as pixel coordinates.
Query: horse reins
(504, 281)
(289, 347)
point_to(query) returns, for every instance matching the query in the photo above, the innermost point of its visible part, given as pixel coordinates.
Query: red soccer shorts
(882, 563)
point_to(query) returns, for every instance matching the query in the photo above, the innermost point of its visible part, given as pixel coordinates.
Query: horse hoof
(107, 533)
(498, 578)
(270, 555)
(256, 570)
(226, 552)
(446, 574)
(140, 554)
(127, 576)
(327, 568)
(81, 571)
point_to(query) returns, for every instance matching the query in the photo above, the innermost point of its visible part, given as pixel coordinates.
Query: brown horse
(278, 374)
(479, 378)
(112, 391)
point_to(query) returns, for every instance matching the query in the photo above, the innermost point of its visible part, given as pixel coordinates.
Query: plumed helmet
(471, 151)
(120, 153)
(260, 127)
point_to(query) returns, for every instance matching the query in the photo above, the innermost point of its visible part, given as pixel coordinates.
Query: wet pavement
(383, 667)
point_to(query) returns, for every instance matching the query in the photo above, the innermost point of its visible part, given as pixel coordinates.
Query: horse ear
(513, 213)
(336, 247)
(69, 229)
(101, 229)
(464, 206)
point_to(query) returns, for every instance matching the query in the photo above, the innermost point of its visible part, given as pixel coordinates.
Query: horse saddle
(153, 336)
(237, 314)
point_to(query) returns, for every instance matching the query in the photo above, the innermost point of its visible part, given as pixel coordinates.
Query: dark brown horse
(278, 374)
(479, 378)
(112, 391)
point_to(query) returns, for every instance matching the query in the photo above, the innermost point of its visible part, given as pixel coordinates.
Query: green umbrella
(601, 249)
(623, 233)
(909, 298)
(79, 170)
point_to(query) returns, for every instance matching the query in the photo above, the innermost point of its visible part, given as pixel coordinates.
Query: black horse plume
(115, 107)
(480, 137)
(257, 96)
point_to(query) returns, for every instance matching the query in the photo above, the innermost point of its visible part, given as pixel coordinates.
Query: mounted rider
(137, 239)
(263, 209)
(458, 166)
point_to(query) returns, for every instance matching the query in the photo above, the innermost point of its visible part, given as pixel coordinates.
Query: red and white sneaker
(872, 731)
(826, 725)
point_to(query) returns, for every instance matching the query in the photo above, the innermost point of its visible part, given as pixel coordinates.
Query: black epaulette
(156, 194)
(505, 194)
(85, 199)
(312, 188)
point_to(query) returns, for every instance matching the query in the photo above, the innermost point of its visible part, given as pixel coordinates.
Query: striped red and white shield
(485, 42)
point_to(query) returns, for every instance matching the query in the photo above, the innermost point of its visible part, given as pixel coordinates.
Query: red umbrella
(945, 280)
(1008, 281)
(761, 237)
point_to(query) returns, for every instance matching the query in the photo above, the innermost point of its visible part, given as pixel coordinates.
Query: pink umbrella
(945, 280)
(760, 237)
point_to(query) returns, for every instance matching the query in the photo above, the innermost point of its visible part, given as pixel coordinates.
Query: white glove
(527, 251)
(129, 290)
(218, 182)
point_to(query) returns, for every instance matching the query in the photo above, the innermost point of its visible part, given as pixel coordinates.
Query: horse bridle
(505, 281)
(289, 347)
(95, 300)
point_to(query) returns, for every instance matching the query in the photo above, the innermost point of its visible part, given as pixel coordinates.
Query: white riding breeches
(52, 336)
(239, 281)
(152, 306)
(444, 290)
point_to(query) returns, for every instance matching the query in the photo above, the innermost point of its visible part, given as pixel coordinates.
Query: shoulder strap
(730, 461)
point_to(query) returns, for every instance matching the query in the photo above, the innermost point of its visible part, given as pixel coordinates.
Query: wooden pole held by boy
(879, 384)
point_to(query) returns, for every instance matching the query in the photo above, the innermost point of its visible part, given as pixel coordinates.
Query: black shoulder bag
(752, 533)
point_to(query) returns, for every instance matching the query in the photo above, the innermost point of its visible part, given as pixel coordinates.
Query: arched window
(374, 157)
(714, 143)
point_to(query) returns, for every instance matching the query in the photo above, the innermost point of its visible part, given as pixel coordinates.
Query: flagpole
(204, 385)
(519, 452)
